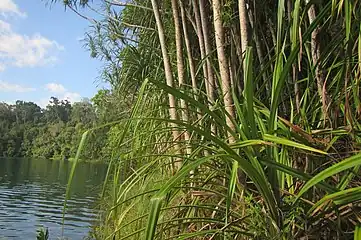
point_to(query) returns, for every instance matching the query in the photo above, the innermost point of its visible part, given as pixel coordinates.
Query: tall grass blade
(330, 171)
(357, 233)
(286, 142)
(231, 188)
(339, 198)
(155, 206)
(71, 176)
(156, 201)
(125, 130)
(248, 92)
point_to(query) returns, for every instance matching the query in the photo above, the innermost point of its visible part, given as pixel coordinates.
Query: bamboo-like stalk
(258, 44)
(316, 53)
(237, 41)
(207, 48)
(223, 67)
(180, 69)
(206, 67)
(169, 78)
(201, 43)
(236, 51)
(243, 23)
(294, 65)
(191, 63)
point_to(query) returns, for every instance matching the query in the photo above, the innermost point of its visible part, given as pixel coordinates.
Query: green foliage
(26, 130)
(42, 234)
(292, 171)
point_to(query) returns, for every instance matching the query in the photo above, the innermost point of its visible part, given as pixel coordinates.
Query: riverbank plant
(244, 122)
(42, 234)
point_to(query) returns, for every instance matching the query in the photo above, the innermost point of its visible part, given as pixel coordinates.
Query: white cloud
(43, 102)
(61, 93)
(11, 87)
(9, 7)
(25, 51)
(55, 88)
(72, 97)
(4, 27)
(2, 67)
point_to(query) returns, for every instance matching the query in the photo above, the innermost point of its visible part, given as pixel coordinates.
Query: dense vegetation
(239, 119)
(26, 130)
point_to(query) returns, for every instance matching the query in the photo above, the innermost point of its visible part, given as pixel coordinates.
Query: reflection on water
(32, 195)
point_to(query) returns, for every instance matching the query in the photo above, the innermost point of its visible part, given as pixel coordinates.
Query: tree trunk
(190, 56)
(223, 67)
(243, 23)
(180, 69)
(208, 51)
(316, 53)
(294, 65)
(169, 78)
(207, 46)
(258, 44)
(201, 43)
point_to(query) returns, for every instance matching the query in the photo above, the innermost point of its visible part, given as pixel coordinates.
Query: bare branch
(121, 22)
(136, 26)
(123, 4)
(92, 20)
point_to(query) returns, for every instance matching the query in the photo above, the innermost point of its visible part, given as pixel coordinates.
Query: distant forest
(27, 130)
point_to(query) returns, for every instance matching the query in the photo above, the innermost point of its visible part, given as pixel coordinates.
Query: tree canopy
(27, 130)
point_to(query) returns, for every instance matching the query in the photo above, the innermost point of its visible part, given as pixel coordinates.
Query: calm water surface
(32, 195)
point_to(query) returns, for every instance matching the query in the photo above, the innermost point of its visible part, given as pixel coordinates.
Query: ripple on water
(30, 201)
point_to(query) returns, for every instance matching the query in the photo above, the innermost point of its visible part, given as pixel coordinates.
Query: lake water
(32, 195)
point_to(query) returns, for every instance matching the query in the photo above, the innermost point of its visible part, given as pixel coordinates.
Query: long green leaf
(258, 177)
(330, 171)
(193, 102)
(286, 142)
(231, 188)
(357, 233)
(339, 198)
(156, 201)
(71, 176)
(248, 92)
(298, 174)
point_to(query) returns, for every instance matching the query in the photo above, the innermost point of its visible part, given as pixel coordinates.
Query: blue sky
(41, 54)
